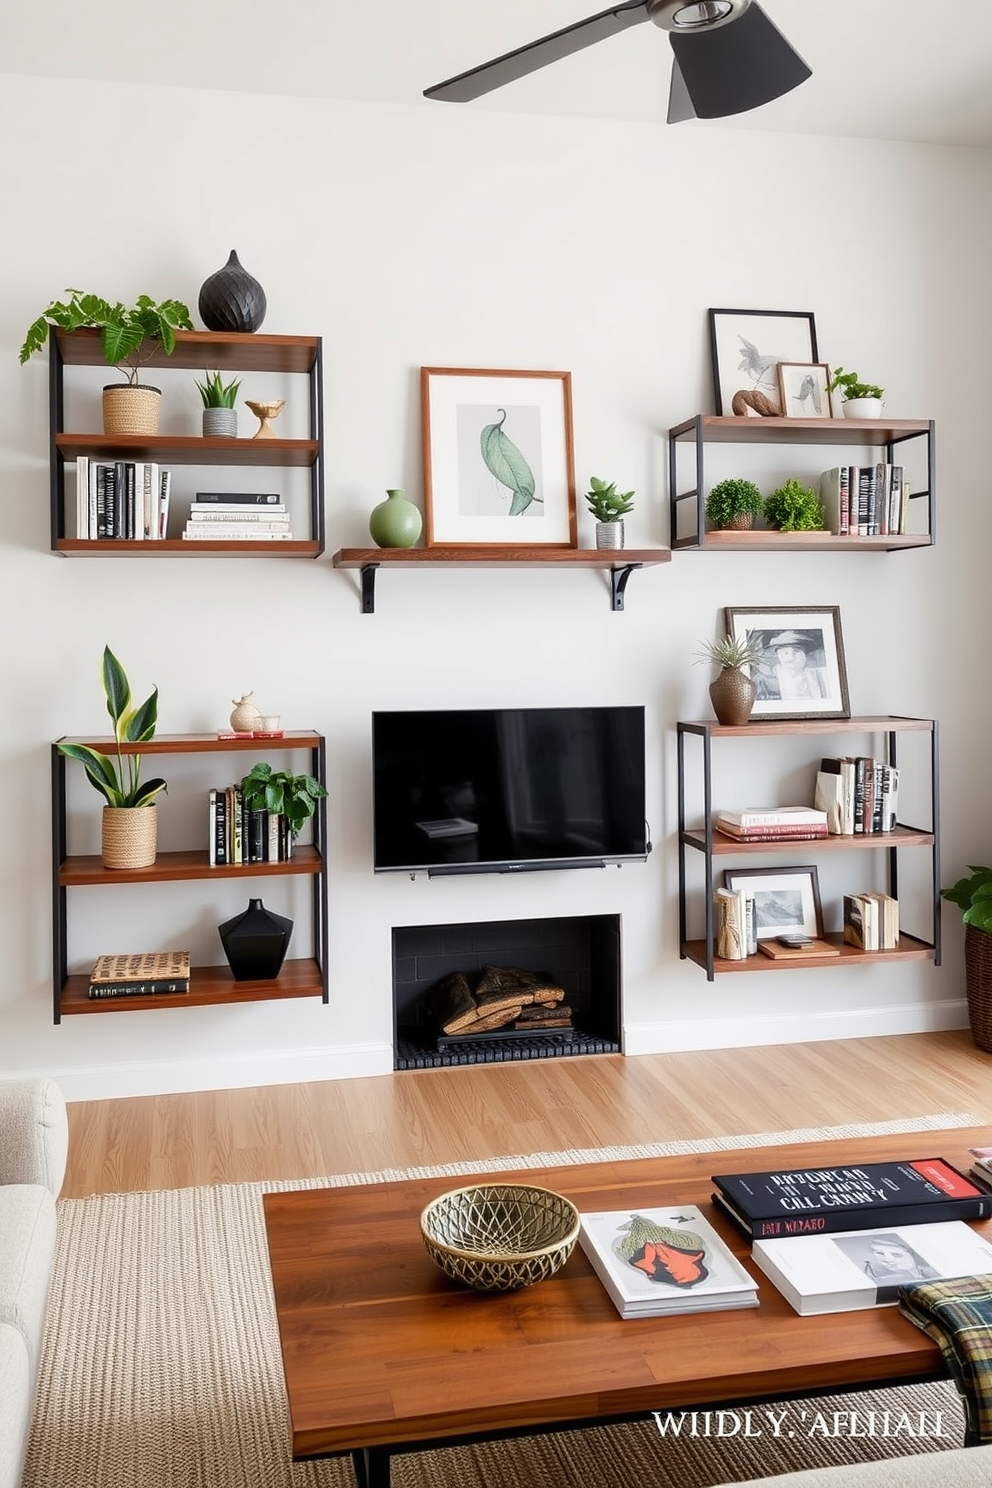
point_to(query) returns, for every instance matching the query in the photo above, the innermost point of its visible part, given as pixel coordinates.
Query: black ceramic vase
(255, 942)
(231, 300)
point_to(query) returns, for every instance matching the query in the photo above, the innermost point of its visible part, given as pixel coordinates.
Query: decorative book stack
(143, 974)
(122, 499)
(858, 794)
(239, 835)
(658, 1261)
(865, 500)
(871, 921)
(773, 823)
(237, 516)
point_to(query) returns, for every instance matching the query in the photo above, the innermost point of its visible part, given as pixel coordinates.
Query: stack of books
(122, 499)
(858, 794)
(871, 921)
(143, 974)
(240, 835)
(773, 823)
(653, 1262)
(865, 500)
(981, 1168)
(237, 516)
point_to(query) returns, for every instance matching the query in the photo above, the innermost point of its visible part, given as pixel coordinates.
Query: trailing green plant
(279, 791)
(216, 393)
(733, 497)
(731, 651)
(851, 387)
(794, 507)
(974, 896)
(121, 784)
(606, 503)
(128, 334)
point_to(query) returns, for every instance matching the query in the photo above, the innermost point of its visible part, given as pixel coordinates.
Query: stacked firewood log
(502, 997)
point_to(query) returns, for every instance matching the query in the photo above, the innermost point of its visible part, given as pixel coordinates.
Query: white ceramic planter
(866, 408)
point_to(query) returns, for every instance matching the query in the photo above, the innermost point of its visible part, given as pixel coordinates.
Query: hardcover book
(816, 950)
(139, 975)
(809, 1201)
(658, 1261)
(855, 1269)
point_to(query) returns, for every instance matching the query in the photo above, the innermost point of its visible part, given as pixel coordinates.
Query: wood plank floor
(463, 1114)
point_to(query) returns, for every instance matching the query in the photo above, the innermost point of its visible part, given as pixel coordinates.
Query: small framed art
(801, 672)
(747, 346)
(498, 458)
(786, 900)
(804, 390)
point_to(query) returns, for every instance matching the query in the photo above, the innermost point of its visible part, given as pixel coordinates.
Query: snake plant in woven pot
(974, 897)
(130, 818)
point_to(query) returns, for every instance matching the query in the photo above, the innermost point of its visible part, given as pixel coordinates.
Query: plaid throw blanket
(957, 1315)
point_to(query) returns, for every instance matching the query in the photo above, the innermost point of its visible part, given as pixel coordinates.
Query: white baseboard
(792, 1028)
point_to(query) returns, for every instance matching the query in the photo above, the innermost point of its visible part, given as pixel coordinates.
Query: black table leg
(371, 1466)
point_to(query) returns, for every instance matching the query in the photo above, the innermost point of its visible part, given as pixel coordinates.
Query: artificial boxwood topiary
(794, 507)
(731, 498)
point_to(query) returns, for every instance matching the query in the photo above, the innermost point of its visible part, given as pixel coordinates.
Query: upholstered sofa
(33, 1147)
(959, 1467)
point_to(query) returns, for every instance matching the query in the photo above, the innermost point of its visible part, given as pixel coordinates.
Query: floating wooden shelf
(209, 986)
(188, 449)
(908, 949)
(723, 845)
(234, 351)
(78, 547)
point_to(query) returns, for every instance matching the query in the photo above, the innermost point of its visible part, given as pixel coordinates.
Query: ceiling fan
(729, 57)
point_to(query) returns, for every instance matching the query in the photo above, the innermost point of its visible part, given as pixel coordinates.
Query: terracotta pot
(129, 836)
(732, 695)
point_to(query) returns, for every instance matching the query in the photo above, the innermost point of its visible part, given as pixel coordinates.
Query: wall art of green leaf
(508, 465)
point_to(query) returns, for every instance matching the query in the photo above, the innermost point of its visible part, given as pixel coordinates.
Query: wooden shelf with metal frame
(709, 844)
(195, 350)
(209, 985)
(703, 430)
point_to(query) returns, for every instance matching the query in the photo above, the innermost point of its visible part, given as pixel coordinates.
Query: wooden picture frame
(786, 900)
(804, 390)
(802, 672)
(498, 458)
(746, 347)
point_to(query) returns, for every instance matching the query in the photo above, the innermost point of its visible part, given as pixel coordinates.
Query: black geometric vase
(231, 300)
(255, 942)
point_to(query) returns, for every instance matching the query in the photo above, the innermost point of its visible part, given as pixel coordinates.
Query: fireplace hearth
(578, 955)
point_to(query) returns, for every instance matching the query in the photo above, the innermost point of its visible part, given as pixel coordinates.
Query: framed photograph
(786, 900)
(801, 673)
(747, 346)
(804, 390)
(498, 458)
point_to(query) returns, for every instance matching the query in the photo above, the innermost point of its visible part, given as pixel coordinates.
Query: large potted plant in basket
(130, 818)
(129, 336)
(974, 896)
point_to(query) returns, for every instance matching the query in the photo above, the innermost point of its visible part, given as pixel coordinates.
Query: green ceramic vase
(395, 522)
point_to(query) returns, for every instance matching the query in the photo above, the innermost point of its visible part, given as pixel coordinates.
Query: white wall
(447, 237)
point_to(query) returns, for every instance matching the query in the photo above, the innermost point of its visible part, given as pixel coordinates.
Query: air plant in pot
(733, 691)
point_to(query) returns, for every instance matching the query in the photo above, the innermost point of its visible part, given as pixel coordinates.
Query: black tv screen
(502, 790)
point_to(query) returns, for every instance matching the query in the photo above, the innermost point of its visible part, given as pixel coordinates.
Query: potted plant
(734, 503)
(129, 336)
(220, 417)
(974, 897)
(793, 507)
(860, 399)
(609, 506)
(130, 818)
(279, 791)
(732, 693)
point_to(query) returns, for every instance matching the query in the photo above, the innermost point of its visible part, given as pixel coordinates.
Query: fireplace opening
(507, 990)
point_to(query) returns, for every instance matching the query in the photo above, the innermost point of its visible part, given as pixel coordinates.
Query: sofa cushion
(959, 1467)
(33, 1133)
(27, 1225)
(15, 1404)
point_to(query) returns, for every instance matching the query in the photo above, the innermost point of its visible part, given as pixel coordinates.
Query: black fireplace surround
(581, 953)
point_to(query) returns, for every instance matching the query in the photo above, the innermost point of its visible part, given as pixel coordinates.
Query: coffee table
(383, 1354)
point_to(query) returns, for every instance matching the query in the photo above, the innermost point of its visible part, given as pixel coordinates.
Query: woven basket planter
(131, 410)
(130, 836)
(978, 984)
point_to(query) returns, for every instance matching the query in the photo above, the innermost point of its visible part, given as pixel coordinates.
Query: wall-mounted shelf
(618, 562)
(710, 429)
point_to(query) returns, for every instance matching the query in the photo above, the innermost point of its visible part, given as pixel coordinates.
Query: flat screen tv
(507, 790)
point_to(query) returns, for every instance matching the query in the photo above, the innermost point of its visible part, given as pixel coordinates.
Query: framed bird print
(804, 390)
(747, 347)
(498, 458)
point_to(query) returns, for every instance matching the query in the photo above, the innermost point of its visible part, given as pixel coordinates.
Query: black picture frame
(808, 682)
(746, 347)
(786, 900)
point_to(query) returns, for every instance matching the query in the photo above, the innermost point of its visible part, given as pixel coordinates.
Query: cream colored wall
(448, 237)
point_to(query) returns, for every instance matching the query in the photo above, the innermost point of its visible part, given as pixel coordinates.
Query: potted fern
(860, 399)
(733, 691)
(973, 896)
(220, 417)
(609, 506)
(793, 507)
(129, 336)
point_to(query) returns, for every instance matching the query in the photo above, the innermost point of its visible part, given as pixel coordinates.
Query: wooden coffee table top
(380, 1348)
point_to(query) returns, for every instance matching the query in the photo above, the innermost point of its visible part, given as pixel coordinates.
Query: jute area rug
(161, 1364)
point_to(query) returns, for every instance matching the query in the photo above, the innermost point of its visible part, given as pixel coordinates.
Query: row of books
(871, 921)
(252, 516)
(240, 835)
(858, 794)
(865, 500)
(143, 974)
(126, 499)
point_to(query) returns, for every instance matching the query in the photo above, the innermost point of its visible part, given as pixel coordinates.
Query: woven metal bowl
(498, 1236)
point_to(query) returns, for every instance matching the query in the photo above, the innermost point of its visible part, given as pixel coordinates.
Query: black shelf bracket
(618, 583)
(368, 572)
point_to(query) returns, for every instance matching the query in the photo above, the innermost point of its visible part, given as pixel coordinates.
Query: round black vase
(231, 300)
(255, 942)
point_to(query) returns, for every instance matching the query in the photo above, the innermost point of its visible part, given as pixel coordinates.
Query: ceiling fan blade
(517, 64)
(679, 103)
(737, 67)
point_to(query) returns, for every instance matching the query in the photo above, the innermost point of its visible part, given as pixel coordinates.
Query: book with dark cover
(256, 835)
(245, 498)
(811, 1201)
(151, 988)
